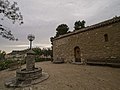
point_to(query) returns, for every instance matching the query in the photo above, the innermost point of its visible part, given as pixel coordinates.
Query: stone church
(99, 42)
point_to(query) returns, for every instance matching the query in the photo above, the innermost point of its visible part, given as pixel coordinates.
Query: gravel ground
(71, 77)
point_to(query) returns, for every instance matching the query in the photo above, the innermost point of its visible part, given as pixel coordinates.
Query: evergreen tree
(61, 29)
(79, 24)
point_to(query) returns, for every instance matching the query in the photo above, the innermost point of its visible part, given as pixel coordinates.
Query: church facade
(97, 42)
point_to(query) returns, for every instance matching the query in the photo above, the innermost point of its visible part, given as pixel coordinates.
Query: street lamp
(31, 38)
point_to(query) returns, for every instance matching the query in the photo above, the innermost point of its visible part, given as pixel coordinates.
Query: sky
(41, 18)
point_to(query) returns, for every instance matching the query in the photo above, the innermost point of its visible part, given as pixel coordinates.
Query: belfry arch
(77, 54)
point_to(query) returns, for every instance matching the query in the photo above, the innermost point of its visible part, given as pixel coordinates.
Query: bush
(5, 64)
(23, 62)
(42, 59)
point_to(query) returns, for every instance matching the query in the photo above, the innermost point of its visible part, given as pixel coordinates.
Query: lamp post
(30, 62)
(31, 38)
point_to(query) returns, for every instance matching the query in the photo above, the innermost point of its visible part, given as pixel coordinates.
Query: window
(106, 37)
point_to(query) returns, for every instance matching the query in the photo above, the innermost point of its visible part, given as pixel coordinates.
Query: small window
(106, 37)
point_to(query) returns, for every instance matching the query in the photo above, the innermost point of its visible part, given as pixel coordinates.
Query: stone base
(14, 82)
(23, 74)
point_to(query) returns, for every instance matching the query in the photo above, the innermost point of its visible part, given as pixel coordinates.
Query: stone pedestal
(30, 72)
(30, 60)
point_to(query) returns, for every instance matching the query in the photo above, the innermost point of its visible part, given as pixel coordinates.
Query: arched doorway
(77, 54)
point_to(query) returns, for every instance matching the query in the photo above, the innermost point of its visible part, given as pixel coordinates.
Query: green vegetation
(42, 59)
(45, 51)
(5, 64)
(10, 11)
(47, 54)
(2, 55)
(79, 24)
(61, 29)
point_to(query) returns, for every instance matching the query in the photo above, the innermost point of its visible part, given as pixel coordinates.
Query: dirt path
(72, 77)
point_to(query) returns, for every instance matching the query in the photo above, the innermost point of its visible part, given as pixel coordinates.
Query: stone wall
(91, 41)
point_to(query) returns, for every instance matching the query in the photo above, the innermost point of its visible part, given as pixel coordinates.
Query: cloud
(26, 46)
(41, 17)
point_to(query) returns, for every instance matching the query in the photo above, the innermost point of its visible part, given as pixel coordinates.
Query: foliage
(2, 55)
(79, 24)
(37, 51)
(44, 51)
(5, 64)
(51, 39)
(42, 59)
(61, 29)
(22, 62)
(11, 11)
(6, 34)
(50, 52)
(47, 52)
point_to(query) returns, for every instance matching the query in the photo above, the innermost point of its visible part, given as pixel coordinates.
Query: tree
(50, 52)
(37, 51)
(2, 55)
(61, 29)
(10, 11)
(44, 51)
(79, 24)
(51, 39)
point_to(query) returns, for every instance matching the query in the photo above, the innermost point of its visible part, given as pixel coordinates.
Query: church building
(99, 42)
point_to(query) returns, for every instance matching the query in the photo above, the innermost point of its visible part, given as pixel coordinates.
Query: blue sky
(41, 17)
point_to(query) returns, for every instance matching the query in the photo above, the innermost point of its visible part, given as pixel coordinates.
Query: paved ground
(71, 77)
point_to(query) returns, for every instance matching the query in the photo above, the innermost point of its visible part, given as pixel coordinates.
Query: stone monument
(29, 75)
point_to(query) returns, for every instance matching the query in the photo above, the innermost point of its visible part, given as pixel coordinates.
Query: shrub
(42, 59)
(5, 64)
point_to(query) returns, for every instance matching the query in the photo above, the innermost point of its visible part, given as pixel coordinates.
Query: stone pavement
(71, 77)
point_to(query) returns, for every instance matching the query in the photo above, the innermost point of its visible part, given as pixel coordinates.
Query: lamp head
(31, 37)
